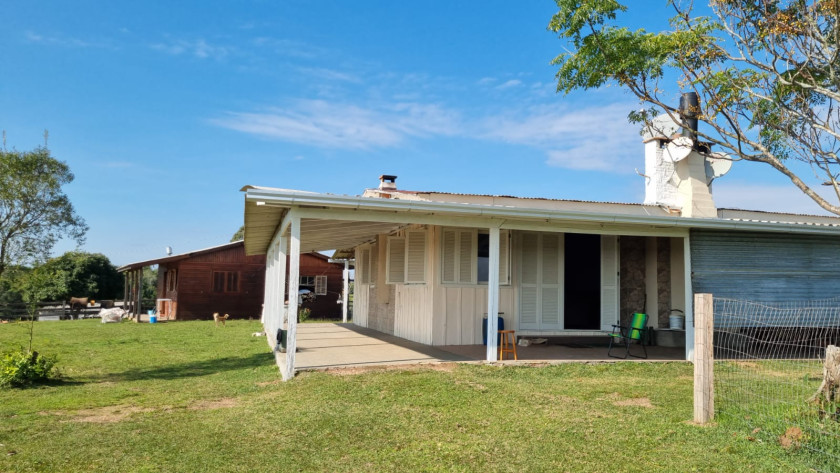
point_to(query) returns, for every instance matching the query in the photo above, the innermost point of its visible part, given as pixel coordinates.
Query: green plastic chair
(626, 335)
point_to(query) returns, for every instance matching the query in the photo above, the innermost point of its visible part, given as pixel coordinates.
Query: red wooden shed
(194, 285)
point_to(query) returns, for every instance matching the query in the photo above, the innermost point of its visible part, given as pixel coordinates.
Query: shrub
(304, 314)
(23, 368)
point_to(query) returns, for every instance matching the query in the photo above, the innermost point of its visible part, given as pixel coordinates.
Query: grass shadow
(192, 369)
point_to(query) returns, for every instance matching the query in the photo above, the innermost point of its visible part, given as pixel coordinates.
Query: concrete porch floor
(333, 345)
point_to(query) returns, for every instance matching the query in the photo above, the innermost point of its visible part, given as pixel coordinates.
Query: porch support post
(689, 302)
(138, 292)
(345, 297)
(294, 281)
(493, 296)
(279, 288)
(125, 290)
(269, 276)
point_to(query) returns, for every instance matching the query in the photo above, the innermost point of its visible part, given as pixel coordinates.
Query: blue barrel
(153, 319)
(484, 330)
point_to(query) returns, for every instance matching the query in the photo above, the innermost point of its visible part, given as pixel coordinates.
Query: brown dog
(222, 318)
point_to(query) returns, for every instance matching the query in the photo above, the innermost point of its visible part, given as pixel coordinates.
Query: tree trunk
(829, 390)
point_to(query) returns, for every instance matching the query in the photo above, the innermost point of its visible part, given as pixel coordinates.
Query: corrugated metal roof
(503, 196)
(265, 208)
(171, 258)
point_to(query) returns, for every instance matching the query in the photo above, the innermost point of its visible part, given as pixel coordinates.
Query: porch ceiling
(320, 235)
(262, 221)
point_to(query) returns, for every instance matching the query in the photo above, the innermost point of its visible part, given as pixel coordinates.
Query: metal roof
(362, 218)
(178, 257)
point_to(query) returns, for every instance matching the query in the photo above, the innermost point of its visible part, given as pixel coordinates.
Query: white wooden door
(541, 281)
(609, 281)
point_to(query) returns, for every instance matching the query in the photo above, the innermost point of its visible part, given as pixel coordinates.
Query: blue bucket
(153, 319)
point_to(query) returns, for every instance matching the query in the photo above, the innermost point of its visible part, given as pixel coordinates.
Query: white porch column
(279, 309)
(689, 302)
(294, 282)
(345, 296)
(493, 296)
(267, 295)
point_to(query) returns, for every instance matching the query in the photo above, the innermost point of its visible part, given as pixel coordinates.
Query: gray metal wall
(771, 267)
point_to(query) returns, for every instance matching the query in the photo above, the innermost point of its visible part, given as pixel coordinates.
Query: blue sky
(164, 110)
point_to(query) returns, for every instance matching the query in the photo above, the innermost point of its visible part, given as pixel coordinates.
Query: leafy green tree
(239, 235)
(150, 277)
(78, 274)
(34, 211)
(767, 74)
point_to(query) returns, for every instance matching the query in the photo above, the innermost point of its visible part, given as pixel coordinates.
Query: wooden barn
(194, 285)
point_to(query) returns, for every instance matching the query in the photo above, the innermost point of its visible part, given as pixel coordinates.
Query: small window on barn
(225, 281)
(307, 282)
(321, 285)
(171, 280)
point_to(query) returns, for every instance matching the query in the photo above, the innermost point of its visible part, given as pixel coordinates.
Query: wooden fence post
(704, 395)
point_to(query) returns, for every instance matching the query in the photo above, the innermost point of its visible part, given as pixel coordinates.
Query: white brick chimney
(676, 173)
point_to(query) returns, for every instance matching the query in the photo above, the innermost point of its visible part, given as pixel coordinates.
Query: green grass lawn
(192, 397)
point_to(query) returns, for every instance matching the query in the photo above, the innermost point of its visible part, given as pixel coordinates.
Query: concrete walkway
(322, 346)
(332, 345)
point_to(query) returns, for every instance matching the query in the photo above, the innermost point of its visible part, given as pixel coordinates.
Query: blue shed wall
(770, 267)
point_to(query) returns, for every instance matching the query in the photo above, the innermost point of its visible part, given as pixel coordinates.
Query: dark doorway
(583, 282)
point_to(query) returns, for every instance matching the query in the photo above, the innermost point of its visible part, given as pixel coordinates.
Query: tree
(79, 274)
(239, 235)
(34, 211)
(767, 74)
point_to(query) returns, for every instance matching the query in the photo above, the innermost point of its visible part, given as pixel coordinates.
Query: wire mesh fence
(769, 366)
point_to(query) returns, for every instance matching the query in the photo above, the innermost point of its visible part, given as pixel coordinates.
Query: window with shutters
(321, 285)
(407, 258)
(465, 256)
(226, 281)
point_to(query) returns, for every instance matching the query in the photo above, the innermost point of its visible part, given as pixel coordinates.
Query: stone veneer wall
(632, 279)
(663, 279)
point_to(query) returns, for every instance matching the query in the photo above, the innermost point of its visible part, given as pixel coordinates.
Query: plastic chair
(626, 335)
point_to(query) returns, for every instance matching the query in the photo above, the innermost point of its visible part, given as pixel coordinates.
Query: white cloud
(770, 198)
(198, 48)
(330, 125)
(509, 84)
(592, 138)
(67, 41)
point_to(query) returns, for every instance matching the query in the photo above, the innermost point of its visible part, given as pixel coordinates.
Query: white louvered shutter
(551, 310)
(364, 262)
(321, 285)
(374, 264)
(609, 281)
(448, 249)
(467, 256)
(415, 268)
(504, 257)
(528, 297)
(395, 265)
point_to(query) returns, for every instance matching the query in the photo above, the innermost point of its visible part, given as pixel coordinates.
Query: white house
(431, 265)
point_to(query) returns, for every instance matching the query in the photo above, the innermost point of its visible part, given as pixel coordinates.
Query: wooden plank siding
(195, 297)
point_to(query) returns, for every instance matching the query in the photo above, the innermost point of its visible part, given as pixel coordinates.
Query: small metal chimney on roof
(168, 251)
(387, 182)
(689, 109)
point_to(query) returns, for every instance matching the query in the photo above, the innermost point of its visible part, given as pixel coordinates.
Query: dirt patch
(99, 415)
(634, 402)
(355, 370)
(223, 403)
(792, 438)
